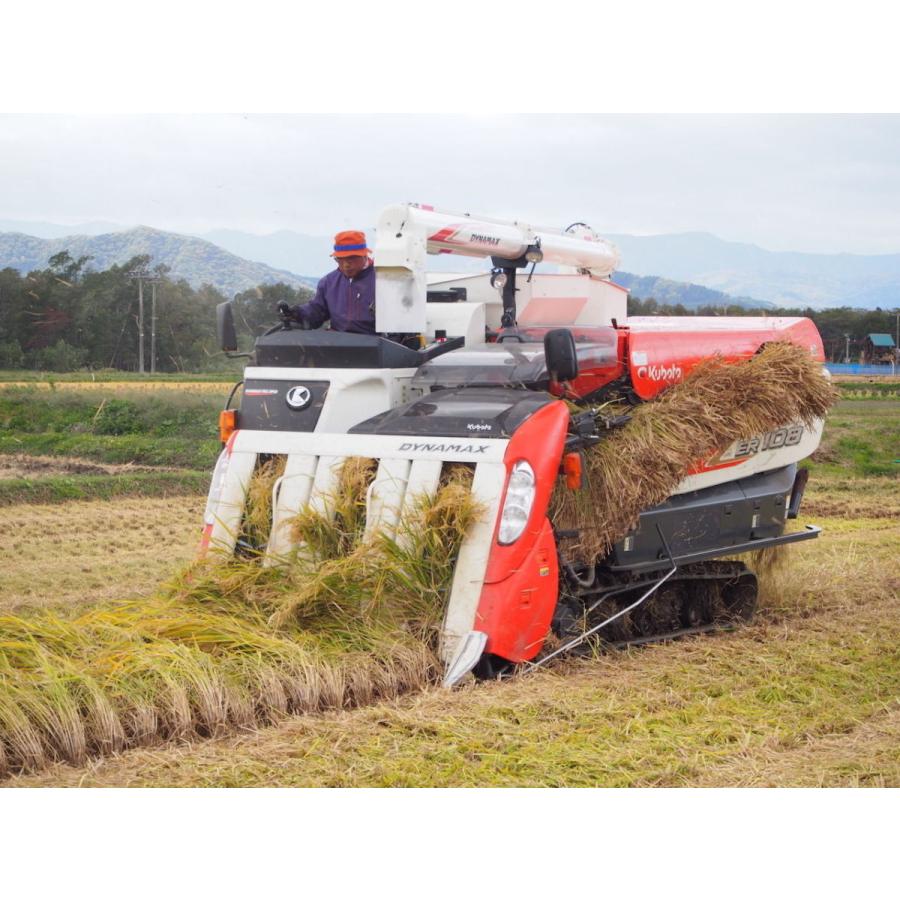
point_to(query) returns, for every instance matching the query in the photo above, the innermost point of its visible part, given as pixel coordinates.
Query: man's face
(351, 266)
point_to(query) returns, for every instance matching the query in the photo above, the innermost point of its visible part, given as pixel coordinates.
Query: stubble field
(807, 695)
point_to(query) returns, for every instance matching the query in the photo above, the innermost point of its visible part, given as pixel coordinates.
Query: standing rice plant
(334, 532)
(257, 519)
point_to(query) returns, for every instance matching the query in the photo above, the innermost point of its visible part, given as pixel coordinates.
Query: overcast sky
(812, 183)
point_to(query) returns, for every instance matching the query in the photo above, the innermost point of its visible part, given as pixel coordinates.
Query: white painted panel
(325, 484)
(293, 495)
(458, 320)
(424, 477)
(764, 461)
(385, 496)
(376, 446)
(471, 566)
(230, 508)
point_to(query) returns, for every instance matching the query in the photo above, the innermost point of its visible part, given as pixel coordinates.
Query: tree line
(68, 316)
(835, 324)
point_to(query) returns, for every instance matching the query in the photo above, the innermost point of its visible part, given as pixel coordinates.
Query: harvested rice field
(83, 552)
(807, 695)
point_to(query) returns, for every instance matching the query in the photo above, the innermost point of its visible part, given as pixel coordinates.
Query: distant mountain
(53, 230)
(784, 278)
(195, 260)
(664, 290)
(749, 274)
(281, 249)
(312, 253)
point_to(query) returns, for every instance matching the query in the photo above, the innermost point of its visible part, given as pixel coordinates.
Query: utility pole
(153, 327)
(897, 344)
(847, 352)
(140, 325)
(141, 275)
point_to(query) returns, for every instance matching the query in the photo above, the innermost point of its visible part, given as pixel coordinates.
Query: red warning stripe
(444, 234)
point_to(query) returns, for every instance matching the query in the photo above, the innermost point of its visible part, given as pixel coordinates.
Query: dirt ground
(22, 465)
(870, 379)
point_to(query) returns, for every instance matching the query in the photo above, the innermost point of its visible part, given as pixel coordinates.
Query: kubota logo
(298, 397)
(660, 373)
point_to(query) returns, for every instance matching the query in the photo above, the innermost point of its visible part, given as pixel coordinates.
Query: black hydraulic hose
(231, 395)
(585, 583)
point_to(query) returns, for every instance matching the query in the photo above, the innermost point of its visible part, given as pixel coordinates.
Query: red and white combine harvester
(480, 391)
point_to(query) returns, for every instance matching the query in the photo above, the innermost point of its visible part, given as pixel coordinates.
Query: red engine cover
(663, 350)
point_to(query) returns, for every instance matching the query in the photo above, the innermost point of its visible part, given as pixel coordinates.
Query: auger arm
(407, 232)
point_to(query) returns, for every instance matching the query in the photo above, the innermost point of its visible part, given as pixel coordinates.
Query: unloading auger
(507, 382)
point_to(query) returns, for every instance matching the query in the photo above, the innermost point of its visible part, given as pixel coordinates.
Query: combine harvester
(485, 390)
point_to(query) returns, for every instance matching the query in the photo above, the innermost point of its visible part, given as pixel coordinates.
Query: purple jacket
(348, 302)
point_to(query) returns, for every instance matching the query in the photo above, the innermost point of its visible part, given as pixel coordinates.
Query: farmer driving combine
(346, 295)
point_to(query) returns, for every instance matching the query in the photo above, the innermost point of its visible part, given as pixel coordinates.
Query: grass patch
(181, 452)
(154, 413)
(59, 488)
(170, 428)
(114, 376)
(862, 440)
(869, 390)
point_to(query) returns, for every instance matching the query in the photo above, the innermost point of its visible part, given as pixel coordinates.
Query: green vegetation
(160, 428)
(121, 449)
(57, 488)
(862, 438)
(67, 317)
(869, 390)
(110, 376)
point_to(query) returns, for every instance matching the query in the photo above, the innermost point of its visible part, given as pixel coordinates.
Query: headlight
(518, 502)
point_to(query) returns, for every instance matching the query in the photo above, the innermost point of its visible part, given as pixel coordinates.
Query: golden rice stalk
(640, 465)
(257, 520)
(334, 532)
(238, 645)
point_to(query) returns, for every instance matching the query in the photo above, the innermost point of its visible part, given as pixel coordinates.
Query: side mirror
(225, 327)
(560, 354)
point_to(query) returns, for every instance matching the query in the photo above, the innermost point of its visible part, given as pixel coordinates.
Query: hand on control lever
(291, 316)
